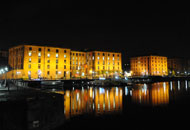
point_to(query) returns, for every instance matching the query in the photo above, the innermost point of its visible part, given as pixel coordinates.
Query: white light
(59, 72)
(18, 72)
(6, 69)
(171, 86)
(30, 53)
(102, 78)
(178, 85)
(57, 55)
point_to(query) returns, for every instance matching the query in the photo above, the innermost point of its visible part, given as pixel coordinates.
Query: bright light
(18, 72)
(6, 69)
(102, 78)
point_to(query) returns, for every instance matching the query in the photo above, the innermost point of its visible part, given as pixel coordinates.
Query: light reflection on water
(100, 100)
(93, 100)
(158, 100)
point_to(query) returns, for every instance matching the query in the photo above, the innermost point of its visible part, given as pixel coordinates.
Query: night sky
(132, 28)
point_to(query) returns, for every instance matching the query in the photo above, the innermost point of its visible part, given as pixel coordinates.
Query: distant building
(41, 62)
(177, 66)
(3, 58)
(149, 66)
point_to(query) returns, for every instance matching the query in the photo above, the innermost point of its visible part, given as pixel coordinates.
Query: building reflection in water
(92, 101)
(156, 94)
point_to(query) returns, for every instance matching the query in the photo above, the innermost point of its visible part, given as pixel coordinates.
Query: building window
(65, 61)
(103, 54)
(64, 73)
(65, 56)
(108, 58)
(30, 60)
(98, 57)
(48, 66)
(113, 55)
(113, 58)
(48, 73)
(118, 63)
(103, 58)
(39, 60)
(39, 49)
(57, 51)
(98, 62)
(30, 48)
(29, 66)
(56, 66)
(39, 66)
(57, 55)
(39, 54)
(30, 53)
(103, 62)
(65, 51)
(103, 67)
(56, 60)
(48, 50)
(56, 72)
(48, 61)
(64, 66)
(98, 67)
(48, 55)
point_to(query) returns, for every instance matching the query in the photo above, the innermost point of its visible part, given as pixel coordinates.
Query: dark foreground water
(137, 106)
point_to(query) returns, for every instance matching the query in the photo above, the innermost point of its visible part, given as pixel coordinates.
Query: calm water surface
(100, 106)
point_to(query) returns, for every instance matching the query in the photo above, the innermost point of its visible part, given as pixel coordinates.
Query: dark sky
(132, 28)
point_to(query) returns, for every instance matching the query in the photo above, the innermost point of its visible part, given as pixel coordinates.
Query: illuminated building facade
(51, 63)
(78, 64)
(34, 62)
(104, 64)
(149, 66)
